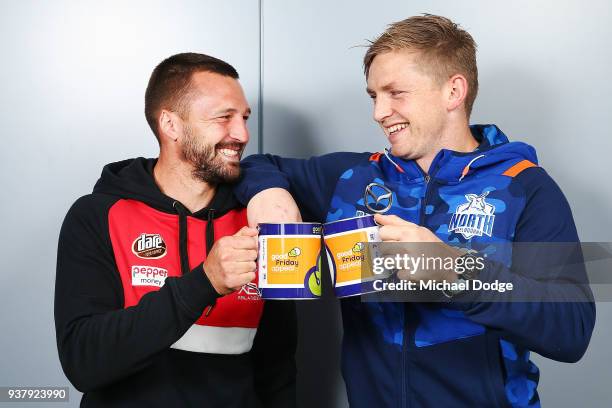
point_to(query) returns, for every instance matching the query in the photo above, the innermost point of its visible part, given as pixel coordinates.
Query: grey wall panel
(73, 76)
(544, 70)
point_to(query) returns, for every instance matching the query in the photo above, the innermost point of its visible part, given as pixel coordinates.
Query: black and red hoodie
(137, 321)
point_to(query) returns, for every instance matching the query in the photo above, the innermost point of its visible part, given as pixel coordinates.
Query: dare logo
(149, 246)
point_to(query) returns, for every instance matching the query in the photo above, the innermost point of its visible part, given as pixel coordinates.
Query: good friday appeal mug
(289, 261)
(349, 260)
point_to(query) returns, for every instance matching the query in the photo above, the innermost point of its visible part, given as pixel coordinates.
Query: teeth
(398, 127)
(228, 152)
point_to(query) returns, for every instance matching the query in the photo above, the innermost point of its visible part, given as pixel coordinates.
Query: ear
(170, 126)
(470, 197)
(457, 91)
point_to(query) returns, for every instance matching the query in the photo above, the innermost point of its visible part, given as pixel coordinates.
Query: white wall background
(72, 80)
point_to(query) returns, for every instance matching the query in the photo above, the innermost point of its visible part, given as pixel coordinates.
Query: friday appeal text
(412, 264)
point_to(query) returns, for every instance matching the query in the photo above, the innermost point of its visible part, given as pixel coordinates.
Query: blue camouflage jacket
(467, 353)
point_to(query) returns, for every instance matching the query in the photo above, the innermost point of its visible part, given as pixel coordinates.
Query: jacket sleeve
(558, 323)
(99, 341)
(310, 181)
(273, 355)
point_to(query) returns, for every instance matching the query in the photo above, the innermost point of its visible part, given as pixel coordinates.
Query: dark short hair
(169, 85)
(443, 47)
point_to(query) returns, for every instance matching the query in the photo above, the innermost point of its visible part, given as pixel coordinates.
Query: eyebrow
(385, 88)
(230, 110)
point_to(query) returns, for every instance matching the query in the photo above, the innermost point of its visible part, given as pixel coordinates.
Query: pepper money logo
(473, 218)
(149, 246)
(143, 275)
(377, 198)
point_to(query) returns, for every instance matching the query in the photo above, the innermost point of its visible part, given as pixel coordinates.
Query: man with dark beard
(155, 299)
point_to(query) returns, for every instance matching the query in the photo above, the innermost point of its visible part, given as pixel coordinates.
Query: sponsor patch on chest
(474, 218)
(149, 246)
(148, 276)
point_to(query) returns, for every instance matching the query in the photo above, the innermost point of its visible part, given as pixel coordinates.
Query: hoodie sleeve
(274, 355)
(100, 342)
(559, 326)
(311, 181)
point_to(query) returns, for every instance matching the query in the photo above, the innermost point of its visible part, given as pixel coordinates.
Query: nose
(239, 130)
(382, 109)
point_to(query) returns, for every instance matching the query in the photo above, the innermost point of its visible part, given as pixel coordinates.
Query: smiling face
(214, 130)
(409, 105)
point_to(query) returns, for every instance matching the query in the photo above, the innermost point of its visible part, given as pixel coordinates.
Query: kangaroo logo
(474, 218)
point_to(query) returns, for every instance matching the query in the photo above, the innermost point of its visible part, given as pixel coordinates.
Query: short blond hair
(444, 49)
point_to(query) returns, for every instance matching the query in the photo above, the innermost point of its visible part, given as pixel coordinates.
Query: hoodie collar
(133, 179)
(451, 167)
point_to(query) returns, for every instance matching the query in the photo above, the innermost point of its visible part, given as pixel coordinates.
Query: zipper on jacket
(426, 198)
(427, 179)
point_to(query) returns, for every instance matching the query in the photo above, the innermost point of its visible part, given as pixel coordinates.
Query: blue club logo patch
(474, 218)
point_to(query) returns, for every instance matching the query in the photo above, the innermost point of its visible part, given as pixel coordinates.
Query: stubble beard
(207, 165)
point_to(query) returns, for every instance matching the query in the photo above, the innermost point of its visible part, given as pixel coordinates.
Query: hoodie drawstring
(397, 166)
(183, 254)
(210, 241)
(466, 169)
(210, 234)
(183, 235)
(210, 230)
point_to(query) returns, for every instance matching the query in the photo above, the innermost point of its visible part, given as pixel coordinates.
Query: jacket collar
(452, 167)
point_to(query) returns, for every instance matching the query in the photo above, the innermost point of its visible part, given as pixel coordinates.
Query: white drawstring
(389, 158)
(466, 169)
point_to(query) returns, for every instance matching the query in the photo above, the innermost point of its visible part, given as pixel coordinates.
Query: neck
(458, 139)
(174, 178)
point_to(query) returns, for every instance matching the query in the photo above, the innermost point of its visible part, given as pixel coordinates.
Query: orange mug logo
(358, 247)
(289, 259)
(149, 246)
